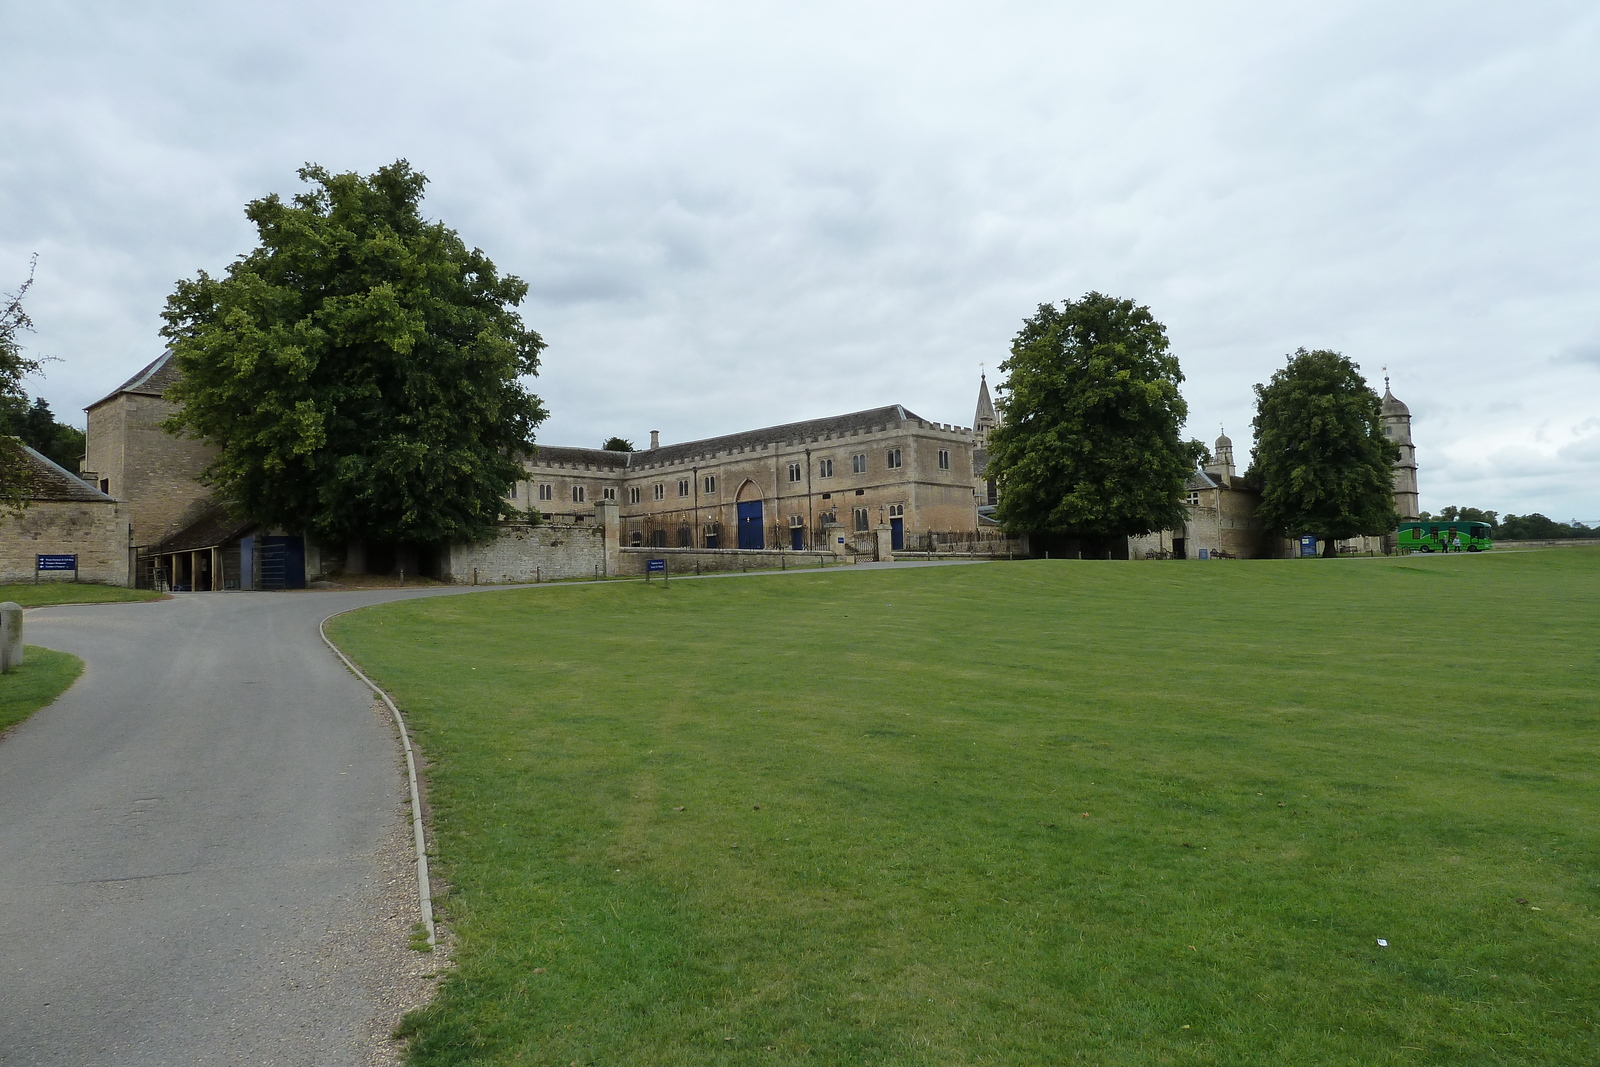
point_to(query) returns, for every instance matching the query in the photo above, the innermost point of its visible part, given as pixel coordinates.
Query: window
(577, 494)
(710, 533)
(858, 463)
(634, 493)
(659, 491)
(944, 459)
(861, 520)
(794, 472)
(710, 485)
(683, 488)
(1192, 499)
(546, 491)
(1388, 431)
(897, 511)
(993, 491)
(685, 537)
(796, 521)
(894, 458)
(658, 539)
(611, 492)
(824, 468)
(513, 493)
(638, 538)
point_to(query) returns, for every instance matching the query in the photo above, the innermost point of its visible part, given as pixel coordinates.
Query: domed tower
(1396, 420)
(1222, 458)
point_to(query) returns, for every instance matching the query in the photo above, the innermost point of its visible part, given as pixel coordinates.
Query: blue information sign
(656, 566)
(1308, 545)
(1205, 553)
(57, 563)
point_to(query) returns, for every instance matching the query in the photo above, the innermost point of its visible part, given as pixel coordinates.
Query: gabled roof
(45, 479)
(153, 380)
(835, 426)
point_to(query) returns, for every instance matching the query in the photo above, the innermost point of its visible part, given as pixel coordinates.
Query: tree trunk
(1328, 549)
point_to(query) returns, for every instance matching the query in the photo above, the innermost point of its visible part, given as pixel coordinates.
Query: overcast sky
(737, 214)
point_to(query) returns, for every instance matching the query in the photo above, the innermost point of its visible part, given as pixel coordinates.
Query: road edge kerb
(424, 889)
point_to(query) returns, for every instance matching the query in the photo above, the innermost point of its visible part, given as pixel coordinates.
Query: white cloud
(732, 214)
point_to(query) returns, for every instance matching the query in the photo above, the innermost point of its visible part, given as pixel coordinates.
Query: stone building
(64, 516)
(792, 486)
(1396, 420)
(828, 483)
(1221, 507)
(133, 460)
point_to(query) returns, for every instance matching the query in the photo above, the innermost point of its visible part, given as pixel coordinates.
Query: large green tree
(1089, 445)
(359, 371)
(1321, 459)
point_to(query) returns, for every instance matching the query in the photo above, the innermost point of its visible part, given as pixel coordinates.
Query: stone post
(833, 532)
(609, 517)
(10, 636)
(882, 542)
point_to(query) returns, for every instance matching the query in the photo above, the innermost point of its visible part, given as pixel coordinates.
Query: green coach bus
(1444, 536)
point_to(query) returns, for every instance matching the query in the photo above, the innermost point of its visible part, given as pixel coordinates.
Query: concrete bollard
(10, 636)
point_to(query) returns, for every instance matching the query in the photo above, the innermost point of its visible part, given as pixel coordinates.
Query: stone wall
(522, 553)
(130, 457)
(714, 560)
(96, 532)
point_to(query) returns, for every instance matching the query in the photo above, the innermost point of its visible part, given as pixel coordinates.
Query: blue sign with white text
(1308, 545)
(57, 563)
(656, 566)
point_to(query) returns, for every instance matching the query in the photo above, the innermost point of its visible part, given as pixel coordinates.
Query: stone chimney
(655, 439)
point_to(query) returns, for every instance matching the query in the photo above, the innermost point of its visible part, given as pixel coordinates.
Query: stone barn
(64, 516)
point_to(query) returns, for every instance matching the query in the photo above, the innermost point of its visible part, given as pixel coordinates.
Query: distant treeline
(1534, 527)
(36, 425)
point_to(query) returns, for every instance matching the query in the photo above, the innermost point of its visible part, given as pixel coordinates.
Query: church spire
(985, 419)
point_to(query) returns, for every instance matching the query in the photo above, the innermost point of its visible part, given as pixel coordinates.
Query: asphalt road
(186, 834)
(190, 839)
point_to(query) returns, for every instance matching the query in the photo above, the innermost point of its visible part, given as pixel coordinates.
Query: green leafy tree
(1321, 459)
(14, 366)
(1089, 444)
(617, 444)
(1537, 527)
(35, 425)
(359, 370)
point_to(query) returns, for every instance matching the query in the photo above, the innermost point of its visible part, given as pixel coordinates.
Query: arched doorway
(748, 503)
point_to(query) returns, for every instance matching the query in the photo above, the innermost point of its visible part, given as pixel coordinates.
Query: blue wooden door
(797, 537)
(750, 525)
(897, 534)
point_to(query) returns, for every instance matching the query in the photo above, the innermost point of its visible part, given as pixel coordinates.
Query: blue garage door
(750, 525)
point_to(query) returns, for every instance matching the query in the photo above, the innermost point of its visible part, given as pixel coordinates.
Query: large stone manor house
(829, 485)
(848, 487)
(783, 486)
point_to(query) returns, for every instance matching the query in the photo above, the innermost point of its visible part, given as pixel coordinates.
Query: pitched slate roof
(47, 480)
(214, 527)
(834, 426)
(153, 380)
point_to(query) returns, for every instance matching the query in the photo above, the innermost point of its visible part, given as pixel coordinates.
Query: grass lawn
(43, 676)
(30, 595)
(1030, 813)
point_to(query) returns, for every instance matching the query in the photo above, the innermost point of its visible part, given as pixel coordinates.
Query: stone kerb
(10, 636)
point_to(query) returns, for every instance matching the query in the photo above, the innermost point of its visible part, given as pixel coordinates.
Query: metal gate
(283, 563)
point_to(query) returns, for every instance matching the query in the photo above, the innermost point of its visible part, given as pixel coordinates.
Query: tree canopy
(359, 369)
(35, 425)
(617, 444)
(1321, 459)
(1088, 446)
